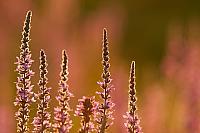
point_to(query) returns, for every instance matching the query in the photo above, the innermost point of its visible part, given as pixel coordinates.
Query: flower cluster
(24, 95)
(41, 122)
(132, 120)
(62, 121)
(86, 109)
(96, 116)
(105, 109)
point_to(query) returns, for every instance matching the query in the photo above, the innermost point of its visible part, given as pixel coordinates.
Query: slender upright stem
(24, 88)
(132, 120)
(105, 109)
(42, 120)
(62, 122)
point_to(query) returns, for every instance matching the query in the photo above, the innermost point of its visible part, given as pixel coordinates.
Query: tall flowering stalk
(105, 109)
(41, 122)
(62, 121)
(132, 120)
(24, 88)
(86, 109)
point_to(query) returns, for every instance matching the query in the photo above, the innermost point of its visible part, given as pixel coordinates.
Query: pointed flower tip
(29, 13)
(64, 51)
(132, 65)
(42, 53)
(104, 32)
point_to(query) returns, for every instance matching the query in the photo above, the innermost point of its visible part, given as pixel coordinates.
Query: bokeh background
(161, 36)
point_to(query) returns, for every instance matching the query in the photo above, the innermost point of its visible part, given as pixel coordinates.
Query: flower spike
(132, 120)
(62, 121)
(105, 109)
(42, 121)
(24, 96)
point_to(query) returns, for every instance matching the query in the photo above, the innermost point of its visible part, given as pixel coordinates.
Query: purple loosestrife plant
(41, 121)
(86, 109)
(24, 88)
(105, 109)
(132, 120)
(62, 121)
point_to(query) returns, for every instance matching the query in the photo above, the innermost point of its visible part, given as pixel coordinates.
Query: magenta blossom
(86, 109)
(42, 121)
(62, 121)
(132, 120)
(105, 109)
(24, 95)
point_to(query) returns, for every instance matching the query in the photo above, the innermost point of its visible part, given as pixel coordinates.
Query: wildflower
(24, 95)
(62, 121)
(41, 122)
(86, 109)
(132, 120)
(105, 109)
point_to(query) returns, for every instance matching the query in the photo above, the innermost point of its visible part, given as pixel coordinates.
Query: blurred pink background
(163, 38)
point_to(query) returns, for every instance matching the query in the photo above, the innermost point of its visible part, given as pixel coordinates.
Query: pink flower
(62, 122)
(105, 109)
(41, 121)
(86, 109)
(24, 95)
(132, 120)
